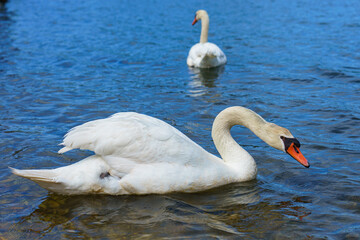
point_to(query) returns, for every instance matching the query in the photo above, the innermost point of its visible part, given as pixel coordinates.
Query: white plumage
(205, 54)
(139, 154)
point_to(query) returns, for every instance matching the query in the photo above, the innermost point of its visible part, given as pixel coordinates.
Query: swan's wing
(196, 54)
(212, 50)
(133, 138)
(104, 136)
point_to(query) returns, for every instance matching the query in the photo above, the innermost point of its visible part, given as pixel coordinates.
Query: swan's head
(274, 135)
(199, 14)
(281, 139)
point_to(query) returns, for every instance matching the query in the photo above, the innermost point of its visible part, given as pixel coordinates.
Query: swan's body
(138, 154)
(205, 54)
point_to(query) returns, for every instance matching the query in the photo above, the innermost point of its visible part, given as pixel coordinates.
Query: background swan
(205, 54)
(139, 154)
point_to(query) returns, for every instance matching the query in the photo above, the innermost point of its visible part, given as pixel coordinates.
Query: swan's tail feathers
(64, 149)
(46, 178)
(36, 175)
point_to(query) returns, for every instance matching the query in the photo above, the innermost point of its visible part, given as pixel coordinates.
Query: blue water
(296, 63)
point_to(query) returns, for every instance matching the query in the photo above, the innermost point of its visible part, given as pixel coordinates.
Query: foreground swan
(205, 54)
(138, 154)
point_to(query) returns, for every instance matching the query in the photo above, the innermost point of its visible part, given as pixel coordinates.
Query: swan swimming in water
(139, 154)
(205, 54)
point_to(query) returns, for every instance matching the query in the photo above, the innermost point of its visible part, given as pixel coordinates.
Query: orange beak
(195, 20)
(294, 151)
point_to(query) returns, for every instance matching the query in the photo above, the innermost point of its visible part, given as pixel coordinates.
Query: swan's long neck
(204, 28)
(230, 151)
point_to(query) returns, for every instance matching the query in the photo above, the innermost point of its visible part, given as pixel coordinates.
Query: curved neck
(228, 148)
(204, 29)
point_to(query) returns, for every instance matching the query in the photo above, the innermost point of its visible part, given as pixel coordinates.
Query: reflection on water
(203, 82)
(205, 76)
(227, 211)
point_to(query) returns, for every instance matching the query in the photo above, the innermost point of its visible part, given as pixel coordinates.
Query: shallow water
(296, 63)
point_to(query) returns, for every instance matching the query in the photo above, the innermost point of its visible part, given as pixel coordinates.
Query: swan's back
(144, 155)
(205, 55)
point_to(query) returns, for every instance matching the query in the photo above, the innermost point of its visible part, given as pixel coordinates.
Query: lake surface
(296, 63)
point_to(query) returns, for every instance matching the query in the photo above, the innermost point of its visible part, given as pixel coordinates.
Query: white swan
(138, 154)
(205, 54)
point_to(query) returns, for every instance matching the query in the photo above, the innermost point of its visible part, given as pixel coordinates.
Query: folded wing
(133, 138)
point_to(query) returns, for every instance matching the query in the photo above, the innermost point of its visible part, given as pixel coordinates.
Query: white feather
(139, 154)
(205, 55)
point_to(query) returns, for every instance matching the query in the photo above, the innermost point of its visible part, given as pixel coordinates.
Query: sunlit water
(297, 63)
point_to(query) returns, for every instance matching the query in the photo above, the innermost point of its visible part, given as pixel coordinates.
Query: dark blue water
(296, 63)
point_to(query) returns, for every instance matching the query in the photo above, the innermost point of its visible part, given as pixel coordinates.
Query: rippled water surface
(296, 63)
